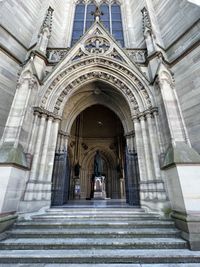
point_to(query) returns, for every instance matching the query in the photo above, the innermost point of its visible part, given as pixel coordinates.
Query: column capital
(130, 134)
(46, 112)
(43, 115)
(65, 134)
(142, 117)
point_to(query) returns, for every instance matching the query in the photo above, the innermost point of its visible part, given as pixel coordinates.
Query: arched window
(117, 29)
(111, 19)
(78, 28)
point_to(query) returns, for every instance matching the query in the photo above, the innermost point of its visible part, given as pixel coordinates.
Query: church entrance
(94, 161)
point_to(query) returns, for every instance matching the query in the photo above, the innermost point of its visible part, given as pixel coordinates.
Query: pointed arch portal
(95, 118)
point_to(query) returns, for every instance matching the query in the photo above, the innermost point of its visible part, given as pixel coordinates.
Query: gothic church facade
(119, 77)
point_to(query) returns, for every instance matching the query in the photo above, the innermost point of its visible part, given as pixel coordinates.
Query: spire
(97, 13)
(45, 31)
(47, 23)
(146, 19)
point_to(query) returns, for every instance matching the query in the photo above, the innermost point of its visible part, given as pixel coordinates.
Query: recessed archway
(96, 118)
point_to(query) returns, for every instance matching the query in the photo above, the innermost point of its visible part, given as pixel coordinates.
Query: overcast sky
(195, 2)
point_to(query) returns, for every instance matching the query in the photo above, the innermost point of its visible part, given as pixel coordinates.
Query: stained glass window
(111, 19)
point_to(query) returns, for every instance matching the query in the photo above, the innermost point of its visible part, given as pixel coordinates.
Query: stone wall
(188, 89)
(174, 18)
(8, 78)
(177, 23)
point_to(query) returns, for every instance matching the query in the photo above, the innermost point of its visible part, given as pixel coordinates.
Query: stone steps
(92, 243)
(102, 265)
(94, 224)
(97, 256)
(91, 237)
(97, 233)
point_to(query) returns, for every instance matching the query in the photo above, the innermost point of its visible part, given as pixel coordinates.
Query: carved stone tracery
(96, 45)
(88, 62)
(92, 76)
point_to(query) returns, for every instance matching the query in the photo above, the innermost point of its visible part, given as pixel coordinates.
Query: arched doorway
(96, 123)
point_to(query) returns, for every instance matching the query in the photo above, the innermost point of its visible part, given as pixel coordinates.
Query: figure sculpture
(98, 164)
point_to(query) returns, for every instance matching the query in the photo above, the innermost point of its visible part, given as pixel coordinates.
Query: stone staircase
(91, 236)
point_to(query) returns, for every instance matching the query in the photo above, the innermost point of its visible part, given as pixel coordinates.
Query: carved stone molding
(139, 56)
(97, 75)
(96, 45)
(56, 55)
(43, 112)
(104, 62)
(143, 115)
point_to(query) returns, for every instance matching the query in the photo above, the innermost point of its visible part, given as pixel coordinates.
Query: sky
(195, 2)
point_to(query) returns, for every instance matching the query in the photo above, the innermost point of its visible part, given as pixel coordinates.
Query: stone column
(146, 149)
(158, 130)
(33, 133)
(38, 146)
(148, 159)
(45, 148)
(51, 155)
(141, 158)
(154, 148)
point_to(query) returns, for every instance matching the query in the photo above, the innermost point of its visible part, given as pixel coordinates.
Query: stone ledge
(13, 155)
(189, 224)
(181, 153)
(6, 221)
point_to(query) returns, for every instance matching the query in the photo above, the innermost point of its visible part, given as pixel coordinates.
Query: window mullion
(110, 13)
(85, 17)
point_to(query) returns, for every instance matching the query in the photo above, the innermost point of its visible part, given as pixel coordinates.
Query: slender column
(148, 158)
(158, 130)
(141, 159)
(146, 149)
(33, 133)
(38, 147)
(45, 149)
(154, 149)
(52, 149)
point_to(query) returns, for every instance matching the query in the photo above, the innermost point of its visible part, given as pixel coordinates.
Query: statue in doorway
(98, 164)
(77, 169)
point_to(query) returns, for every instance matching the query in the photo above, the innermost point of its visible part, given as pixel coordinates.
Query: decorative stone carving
(146, 19)
(56, 55)
(137, 55)
(47, 23)
(98, 75)
(97, 45)
(46, 113)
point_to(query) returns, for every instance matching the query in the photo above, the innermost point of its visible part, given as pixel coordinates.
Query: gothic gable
(97, 42)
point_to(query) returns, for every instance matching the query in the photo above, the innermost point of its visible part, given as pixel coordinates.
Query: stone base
(6, 221)
(12, 187)
(161, 207)
(34, 205)
(190, 228)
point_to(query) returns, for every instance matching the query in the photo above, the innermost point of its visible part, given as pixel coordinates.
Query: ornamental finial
(47, 23)
(146, 19)
(97, 13)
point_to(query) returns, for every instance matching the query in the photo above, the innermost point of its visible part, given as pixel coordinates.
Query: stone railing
(54, 55)
(137, 55)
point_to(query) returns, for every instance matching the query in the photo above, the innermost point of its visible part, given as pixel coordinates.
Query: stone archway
(125, 91)
(114, 159)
